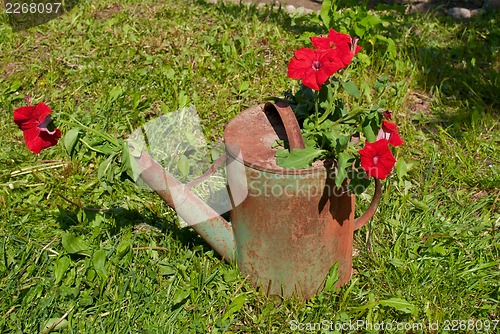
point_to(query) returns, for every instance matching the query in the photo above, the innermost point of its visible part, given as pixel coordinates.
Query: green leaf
(60, 268)
(332, 278)
(99, 261)
(70, 140)
(298, 158)
(181, 295)
(351, 88)
(326, 7)
(234, 307)
(103, 167)
(115, 93)
(60, 326)
(14, 86)
(369, 21)
(359, 30)
(391, 46)
(243, 86)
(277, 143)
(399, 304)
(183, 165)
(342, 164)
(107, 148)
(358, 181)
(75, 245)
(401, 168)
(370, 125)
(123, 248)
(166, 269)
(129, 164)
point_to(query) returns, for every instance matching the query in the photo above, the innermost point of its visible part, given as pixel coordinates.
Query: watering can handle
(296, 140)
(290, 123)
(365, 217)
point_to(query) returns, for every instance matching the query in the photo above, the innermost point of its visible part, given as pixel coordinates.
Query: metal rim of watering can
(238, 150)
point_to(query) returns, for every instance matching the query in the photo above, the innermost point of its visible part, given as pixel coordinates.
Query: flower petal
(376, 159)
(42, 111)
(390, 131)
(24, 119)
(43, 140)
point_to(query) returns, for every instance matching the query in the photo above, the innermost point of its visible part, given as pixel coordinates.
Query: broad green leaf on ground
(234, 307)
(401, 168)
(183, 165)
(70, 140)
(60, 326)
(75, 245)
(399, 304)
(129, 164)
(99, 261)
(60, 267)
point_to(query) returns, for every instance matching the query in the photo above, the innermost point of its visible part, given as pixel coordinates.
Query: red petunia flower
(344, 45)
(389, 132)
(37, 127)
(377, 159)
(314, 67)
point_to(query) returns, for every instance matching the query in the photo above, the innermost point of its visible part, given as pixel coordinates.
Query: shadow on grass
(115, 220)
(466, 71)
(297, 25)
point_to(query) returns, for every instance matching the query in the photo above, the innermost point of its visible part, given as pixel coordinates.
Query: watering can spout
(214, 229)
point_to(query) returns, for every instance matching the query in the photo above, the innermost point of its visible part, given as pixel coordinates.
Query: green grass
(112, 254)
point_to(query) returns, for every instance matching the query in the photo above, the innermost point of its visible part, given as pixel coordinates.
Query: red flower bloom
(377, 159)
(35, 123)
(314, 67)
(389, 132)
(344, 45)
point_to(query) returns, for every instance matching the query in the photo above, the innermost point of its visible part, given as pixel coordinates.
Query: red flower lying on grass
(37, 127)
(377, 159)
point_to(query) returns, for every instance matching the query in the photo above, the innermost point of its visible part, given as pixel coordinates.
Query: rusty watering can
(290, 226)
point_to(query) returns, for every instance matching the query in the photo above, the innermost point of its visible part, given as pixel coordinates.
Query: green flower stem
(326, 113)
(316, 109)
(98, 133)
(90, 147)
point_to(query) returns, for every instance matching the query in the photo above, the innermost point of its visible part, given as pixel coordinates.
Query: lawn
(98, 254)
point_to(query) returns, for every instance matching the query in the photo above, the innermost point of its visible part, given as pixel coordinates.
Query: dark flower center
(316, 65)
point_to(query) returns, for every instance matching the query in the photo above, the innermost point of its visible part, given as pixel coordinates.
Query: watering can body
(291, 226)
(294, 224)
